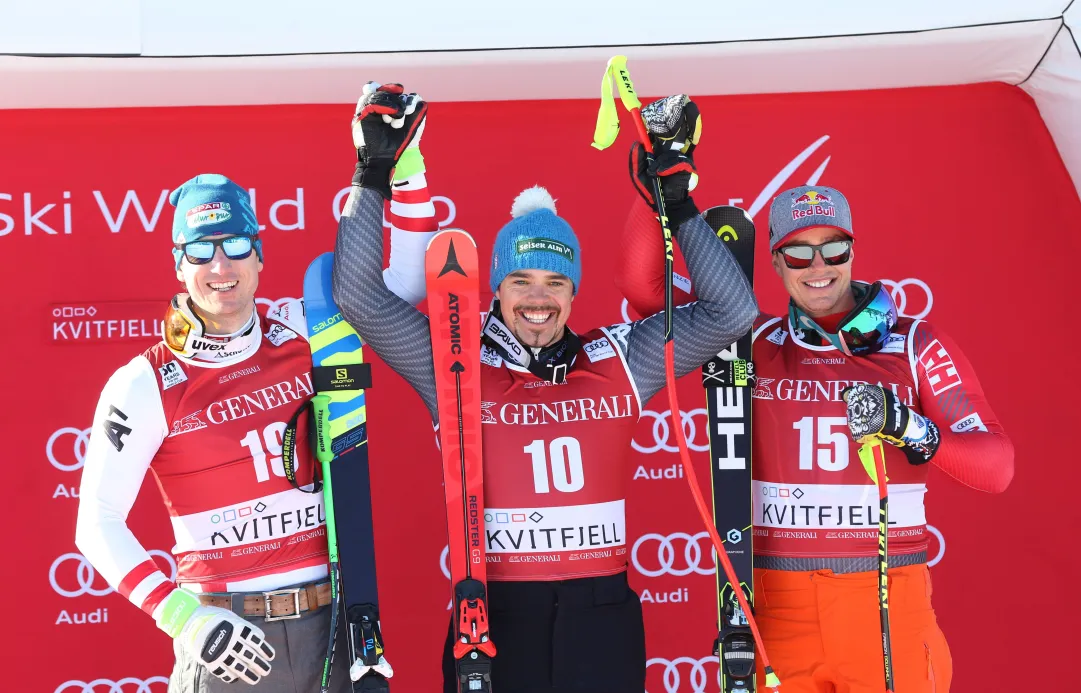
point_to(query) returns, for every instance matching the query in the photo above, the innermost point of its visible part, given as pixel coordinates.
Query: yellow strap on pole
(867, 457)
(607, 130)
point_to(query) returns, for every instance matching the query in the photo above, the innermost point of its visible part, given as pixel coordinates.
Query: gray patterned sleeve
(725, 310)
(396, 330)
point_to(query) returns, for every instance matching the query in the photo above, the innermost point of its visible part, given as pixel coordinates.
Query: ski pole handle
(321, 404)
(607, 129)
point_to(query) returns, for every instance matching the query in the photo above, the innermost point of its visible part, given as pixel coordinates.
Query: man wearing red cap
(841, 356)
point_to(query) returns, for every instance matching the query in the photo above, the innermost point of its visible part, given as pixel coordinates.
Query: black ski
(728, 380)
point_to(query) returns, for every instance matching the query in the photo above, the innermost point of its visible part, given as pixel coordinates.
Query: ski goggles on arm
(202, 251)
(801, 256)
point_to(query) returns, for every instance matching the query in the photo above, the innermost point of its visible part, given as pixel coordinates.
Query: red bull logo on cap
(812, 197)
(818, 204)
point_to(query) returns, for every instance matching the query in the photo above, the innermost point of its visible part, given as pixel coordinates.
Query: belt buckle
(295, 591)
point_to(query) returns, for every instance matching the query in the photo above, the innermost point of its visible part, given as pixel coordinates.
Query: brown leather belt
(275, 605)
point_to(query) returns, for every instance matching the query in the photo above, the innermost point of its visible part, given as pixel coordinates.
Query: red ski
(452, 275)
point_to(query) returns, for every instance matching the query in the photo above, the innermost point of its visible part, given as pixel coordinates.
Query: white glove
(229, 646)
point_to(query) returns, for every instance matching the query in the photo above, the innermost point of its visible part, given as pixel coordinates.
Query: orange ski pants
(823, 634)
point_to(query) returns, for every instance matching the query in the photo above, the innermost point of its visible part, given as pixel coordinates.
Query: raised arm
(391, 325)
(725, 310)
(725, 307)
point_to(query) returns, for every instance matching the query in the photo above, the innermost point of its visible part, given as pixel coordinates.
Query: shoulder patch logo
(171, 374)
(599, 350)
(895, 344)
(620, 333)
(941, 373)
(967, 424)
(486, 415)
(778, 336)
(489, 357)
(279, 334)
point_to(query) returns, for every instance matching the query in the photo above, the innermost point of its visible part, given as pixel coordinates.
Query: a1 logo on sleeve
(114, 427)
(171, 374)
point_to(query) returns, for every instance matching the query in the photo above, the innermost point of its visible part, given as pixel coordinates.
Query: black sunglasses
(801, 256)
(202, 252)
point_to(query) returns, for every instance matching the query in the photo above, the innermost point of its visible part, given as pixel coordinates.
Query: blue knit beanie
(209, 205)
(535, 238)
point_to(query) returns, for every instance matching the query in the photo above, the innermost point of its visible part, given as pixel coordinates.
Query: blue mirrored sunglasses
(202, 252)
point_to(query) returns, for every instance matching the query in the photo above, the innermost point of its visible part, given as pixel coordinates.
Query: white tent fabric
(116, 53)
(1055, 86)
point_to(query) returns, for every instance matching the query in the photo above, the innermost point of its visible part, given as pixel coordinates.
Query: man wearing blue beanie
(204, 410)
(558, 409)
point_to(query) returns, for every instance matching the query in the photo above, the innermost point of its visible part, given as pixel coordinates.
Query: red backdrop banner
(960, 200)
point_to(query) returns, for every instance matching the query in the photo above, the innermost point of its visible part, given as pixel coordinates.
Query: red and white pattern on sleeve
(975, 449)
(128, 428)
(410, 214)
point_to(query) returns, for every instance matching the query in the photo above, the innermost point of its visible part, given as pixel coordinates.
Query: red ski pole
(604, 136)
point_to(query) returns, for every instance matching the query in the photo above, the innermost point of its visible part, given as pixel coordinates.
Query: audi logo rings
(78, 448)
(125, 685)
(85, 575)
(667, 561)
(899, 294)
(698, 676)
(662, 432)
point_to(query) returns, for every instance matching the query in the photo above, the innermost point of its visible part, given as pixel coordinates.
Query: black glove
(873, 411)
(675, 127)
(385, 122)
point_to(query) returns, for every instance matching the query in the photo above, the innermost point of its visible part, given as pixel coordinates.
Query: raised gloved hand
(875, 412)
(386, 123)
(675, 127)
(229, 646)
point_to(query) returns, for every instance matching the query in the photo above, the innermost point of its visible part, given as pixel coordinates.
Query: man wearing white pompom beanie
(559, 410)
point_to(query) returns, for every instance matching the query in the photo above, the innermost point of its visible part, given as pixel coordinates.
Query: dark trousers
(568, 636)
